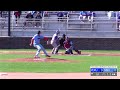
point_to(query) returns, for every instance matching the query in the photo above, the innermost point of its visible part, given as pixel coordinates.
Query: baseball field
(21, 61)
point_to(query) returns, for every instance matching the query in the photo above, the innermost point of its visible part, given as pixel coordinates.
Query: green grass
(82, 65)
(34, 50)
(12, 56)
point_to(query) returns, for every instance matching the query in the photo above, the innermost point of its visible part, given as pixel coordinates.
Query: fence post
(67, 23)
(9, 16)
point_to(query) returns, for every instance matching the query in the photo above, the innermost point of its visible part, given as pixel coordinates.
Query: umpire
(61, 43)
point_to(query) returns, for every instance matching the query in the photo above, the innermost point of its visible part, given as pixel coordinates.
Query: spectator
(17, 16)
(46, 14)
(65, 15)
(41, 12)
(83, 15)
(93, 14)
(29, 18)
(109, 14)
(114, 14)
(90, 15)
(38, 19)
(60, 15)
(80, 15)
(33, 13)
(29, 15)
(118, 21)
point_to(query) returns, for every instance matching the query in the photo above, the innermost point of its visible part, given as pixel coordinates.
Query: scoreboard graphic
(103, 70)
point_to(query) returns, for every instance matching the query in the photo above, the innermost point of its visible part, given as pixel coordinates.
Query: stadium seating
(101, 26)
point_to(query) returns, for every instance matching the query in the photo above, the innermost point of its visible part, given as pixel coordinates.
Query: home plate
(85, 54)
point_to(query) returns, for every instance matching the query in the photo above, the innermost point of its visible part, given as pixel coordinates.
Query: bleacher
(100, 27)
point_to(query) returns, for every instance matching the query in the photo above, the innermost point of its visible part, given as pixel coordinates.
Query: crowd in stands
(17, 16)
(111, 14)
(83, 16)
(60, 14)
(3, 14)
(86, 15)
(35, 17)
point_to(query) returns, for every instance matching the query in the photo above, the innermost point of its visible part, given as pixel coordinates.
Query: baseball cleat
(48, 56)
(52, 53)
(79, 52)
(36, 57)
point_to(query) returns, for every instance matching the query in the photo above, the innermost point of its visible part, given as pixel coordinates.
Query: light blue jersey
(37, 39)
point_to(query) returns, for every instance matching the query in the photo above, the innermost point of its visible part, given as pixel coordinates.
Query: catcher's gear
(68, 51)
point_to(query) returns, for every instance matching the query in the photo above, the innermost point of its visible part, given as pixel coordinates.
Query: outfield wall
(80, 43)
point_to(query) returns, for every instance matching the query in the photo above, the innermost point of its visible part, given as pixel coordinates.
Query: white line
(3, 74)
(86, 55)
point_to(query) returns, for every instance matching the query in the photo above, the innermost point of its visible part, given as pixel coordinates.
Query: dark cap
(64, 35)
(39, 32)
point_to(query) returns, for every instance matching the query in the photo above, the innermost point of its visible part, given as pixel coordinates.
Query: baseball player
(55, 41)
(61, 42)
(68, 44)
(35, 41)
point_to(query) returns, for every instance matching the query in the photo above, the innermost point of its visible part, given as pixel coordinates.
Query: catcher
(68, 44)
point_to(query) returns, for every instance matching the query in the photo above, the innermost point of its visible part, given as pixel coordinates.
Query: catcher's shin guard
(67, 52)
(70, 50)
(79, 52)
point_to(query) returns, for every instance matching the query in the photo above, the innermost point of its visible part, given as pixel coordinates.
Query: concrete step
(94, 34)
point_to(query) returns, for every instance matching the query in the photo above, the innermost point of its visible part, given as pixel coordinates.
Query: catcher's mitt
(48, 42)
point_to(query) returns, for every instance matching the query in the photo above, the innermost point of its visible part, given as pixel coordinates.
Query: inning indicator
(103, 70)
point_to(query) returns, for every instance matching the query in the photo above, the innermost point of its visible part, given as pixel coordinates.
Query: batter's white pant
(54, 47)
(39, 48)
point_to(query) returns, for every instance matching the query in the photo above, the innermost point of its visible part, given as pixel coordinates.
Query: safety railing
(38, 24)
(66, 20)
(62, 20)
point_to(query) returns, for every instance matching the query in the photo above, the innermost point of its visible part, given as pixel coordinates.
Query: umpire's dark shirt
(62, 42)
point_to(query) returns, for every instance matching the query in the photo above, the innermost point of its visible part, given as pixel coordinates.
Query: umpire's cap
(64, 35)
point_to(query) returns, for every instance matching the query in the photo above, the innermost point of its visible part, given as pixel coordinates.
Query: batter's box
(85, 55)
(78, 54)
